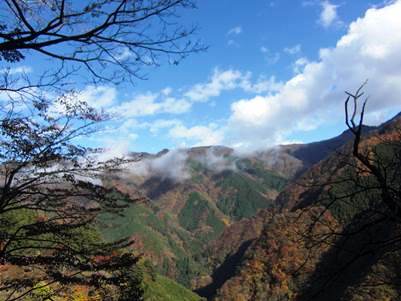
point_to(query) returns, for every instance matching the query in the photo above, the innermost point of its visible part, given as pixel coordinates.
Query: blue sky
(275, 72)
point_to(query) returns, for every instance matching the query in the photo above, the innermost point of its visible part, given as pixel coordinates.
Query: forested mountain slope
(192, 196)
(280, 257)
(202, 203)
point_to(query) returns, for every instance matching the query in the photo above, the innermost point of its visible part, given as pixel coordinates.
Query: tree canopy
(51, 187)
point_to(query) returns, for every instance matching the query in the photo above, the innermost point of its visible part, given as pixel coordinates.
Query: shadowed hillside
(350, 268)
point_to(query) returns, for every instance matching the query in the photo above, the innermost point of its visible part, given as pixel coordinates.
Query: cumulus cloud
(160, 124)
(226, 80)
(167, 91)
(197, 135)
(98, 96)
(148, 104)
(312, 97)
(328, 15)
(133, 114)
(261, 85)
(219, 82)
(168, 102)
(370, 49)
(299, 64)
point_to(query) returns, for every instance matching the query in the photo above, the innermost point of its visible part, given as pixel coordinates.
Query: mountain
(155, 287)
(228, 224)
(314, 152)
(307, 189)
(215, 224)
(268, 268)
(264, 257)
(192, 196)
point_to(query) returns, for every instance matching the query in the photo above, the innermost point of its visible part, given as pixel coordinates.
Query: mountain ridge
(251, 282)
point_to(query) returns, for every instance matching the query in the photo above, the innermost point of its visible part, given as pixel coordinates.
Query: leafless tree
(363, 191)
(52, 196)
(97, 34)
(96, 41)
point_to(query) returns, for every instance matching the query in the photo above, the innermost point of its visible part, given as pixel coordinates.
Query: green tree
(51, 190)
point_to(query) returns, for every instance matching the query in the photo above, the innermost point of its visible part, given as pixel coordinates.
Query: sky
(275, 72)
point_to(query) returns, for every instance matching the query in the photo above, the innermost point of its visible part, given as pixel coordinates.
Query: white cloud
(148, 104)
(275, 111)
(230, 79)
(197, 135)
(232, 43)
(164, 102)
(214, 159)
(262, 85)
(101, 98)
(16, 70)
(235, 30)
(171, 165)
(370, 49)
(119, 149)
(293, 50)
(270, 56)
(123, 55)
(16, 76)
(115, 139)
(160, 124)
(299, 64)
(167, 91)
(220, 81)
(328, 14)
(383, 3)
(98, 96)
(184, 136)
(176, 106)
(141, 105)
(168, 102)
(174, 165)
(131, 115)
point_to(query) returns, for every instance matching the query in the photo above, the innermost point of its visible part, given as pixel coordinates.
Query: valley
(185, 150)
(220, 217)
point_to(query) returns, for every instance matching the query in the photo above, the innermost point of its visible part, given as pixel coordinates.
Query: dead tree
(363, 192)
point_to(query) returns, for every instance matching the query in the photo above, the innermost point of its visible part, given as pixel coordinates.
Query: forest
(291, 191)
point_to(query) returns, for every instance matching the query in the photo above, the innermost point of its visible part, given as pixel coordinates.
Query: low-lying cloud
(171, 165)
(175, 164)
